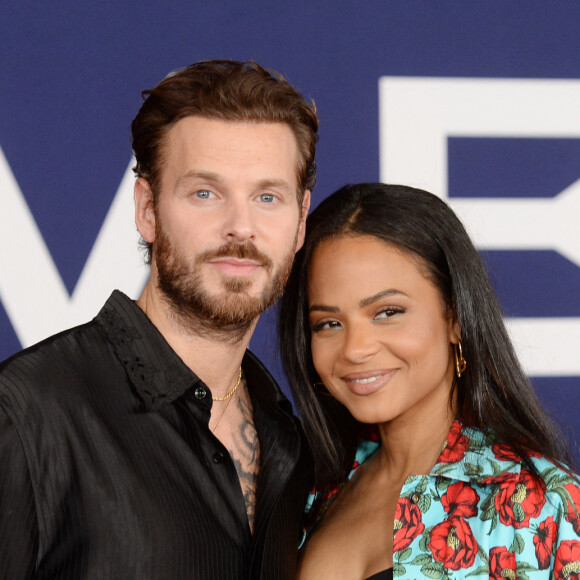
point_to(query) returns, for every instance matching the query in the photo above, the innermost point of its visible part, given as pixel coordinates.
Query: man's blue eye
(203, 193)
(267, 197)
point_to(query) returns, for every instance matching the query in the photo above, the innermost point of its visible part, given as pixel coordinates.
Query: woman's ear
(144, 210)
(454, 331)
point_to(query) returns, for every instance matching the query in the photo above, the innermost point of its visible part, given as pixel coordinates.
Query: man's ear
(302, 223)
(144, 212)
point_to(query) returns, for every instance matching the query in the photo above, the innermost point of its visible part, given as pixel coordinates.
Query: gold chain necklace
(232, 391)
(222, 415)
(230, 399)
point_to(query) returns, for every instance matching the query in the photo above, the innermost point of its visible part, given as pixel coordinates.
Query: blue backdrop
(406, 90)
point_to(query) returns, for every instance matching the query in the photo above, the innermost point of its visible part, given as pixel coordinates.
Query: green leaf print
(420, 489)
(488, 513)
(432, 570)
(519, 513)
(566, 498)
(421, 559)
(424, 542)
(495, 467)
(518, 544)
(521, 566)
(487, 504)
(483, 555)
(424, 503)
(480, 571)
(472, 469)
(548, 473)
(399, 570)
(402, 556)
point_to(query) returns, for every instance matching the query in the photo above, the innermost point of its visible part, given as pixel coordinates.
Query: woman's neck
(411, 445)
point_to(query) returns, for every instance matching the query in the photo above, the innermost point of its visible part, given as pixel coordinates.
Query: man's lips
(235, 266)
(368, 382)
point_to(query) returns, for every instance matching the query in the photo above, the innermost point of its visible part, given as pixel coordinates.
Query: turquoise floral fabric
(481, 514)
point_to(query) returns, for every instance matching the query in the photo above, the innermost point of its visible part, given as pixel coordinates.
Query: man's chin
(242, 285)
(231, 311)
(238, 302)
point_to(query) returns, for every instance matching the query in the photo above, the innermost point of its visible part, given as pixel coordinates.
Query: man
(149, 443)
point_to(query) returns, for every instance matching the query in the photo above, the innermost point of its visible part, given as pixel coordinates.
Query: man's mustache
(243, 251)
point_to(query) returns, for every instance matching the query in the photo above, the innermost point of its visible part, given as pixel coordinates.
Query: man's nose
(238, 223)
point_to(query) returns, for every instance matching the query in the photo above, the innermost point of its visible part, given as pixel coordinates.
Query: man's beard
(227, 315)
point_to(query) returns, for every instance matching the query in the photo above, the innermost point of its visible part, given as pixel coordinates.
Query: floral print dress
(481, 514)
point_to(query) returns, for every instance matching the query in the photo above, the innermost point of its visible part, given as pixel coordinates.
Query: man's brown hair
(227, 90)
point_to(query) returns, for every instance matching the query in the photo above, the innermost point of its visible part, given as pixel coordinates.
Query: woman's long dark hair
(493, 392)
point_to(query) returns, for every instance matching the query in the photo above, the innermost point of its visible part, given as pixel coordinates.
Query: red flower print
(543, 542)
(455, 446)
(501, 478)
(460, 499)
(518, 500)
(567, 561)
(502, 564)
(574, 508)
(452, 543)
(504, 452)
(408, 524)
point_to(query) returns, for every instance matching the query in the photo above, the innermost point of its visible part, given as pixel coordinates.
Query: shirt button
(415, 498)
(218, 457)
(200, 393)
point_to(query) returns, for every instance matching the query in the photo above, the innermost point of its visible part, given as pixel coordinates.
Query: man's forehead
(200, 145)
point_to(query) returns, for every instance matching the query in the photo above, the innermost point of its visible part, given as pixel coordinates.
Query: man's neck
(214, 359)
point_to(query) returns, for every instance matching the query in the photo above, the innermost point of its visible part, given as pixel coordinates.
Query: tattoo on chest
(245, 453)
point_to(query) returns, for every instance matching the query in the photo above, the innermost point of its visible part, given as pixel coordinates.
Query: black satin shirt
(108, 468)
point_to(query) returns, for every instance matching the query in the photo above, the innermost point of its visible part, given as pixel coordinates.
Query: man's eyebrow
(212, 177)
(379, 296)
(273, 183)
(205, 175)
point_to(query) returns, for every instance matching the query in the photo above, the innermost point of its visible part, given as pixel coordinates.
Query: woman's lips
(369, 382)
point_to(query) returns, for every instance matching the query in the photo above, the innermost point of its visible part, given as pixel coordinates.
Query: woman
(434, 456)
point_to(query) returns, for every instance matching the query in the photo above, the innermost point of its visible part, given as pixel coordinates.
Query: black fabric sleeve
(18, 522)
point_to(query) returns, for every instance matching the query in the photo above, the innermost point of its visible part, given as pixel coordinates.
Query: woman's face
(381, 338)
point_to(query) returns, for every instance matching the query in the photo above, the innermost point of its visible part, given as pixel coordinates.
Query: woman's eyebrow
(362, 304)
(322, 308)
(378, 296)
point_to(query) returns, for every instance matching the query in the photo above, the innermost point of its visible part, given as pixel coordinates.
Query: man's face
(227, 221)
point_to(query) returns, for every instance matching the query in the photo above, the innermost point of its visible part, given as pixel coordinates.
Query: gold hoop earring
(460, 362)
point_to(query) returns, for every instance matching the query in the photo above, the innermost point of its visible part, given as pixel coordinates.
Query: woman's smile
(368, 383)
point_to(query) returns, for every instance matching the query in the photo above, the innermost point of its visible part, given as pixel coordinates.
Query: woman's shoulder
(533, 488)
(550, 467)
(560, 484)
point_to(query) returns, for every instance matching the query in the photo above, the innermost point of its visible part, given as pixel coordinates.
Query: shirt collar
(472, 455)
(157, 373)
